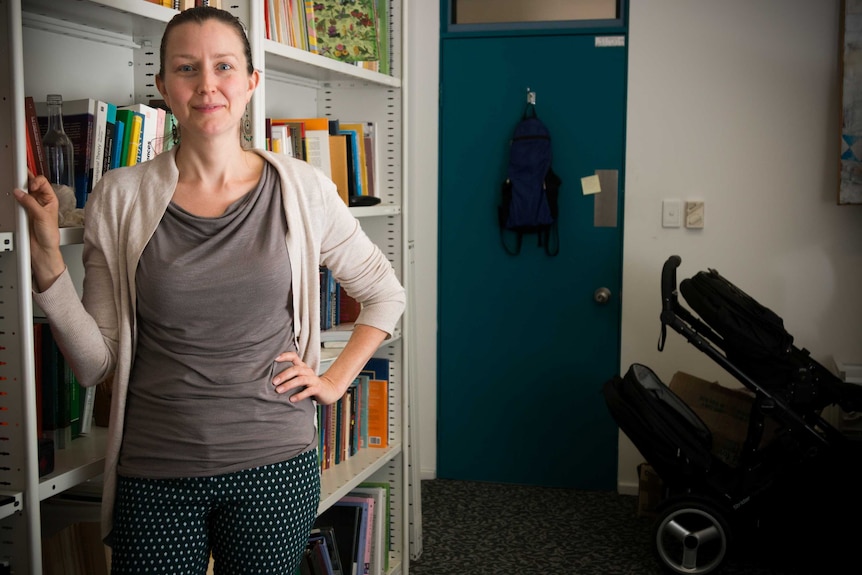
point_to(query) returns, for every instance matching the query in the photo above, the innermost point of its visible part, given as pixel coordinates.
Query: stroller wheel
(691, 536)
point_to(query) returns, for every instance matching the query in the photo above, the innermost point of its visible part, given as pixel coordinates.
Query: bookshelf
(108, 49)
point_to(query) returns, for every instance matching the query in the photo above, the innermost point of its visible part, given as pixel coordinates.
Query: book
(100, 127)
(348, 306)
(357, 132)
(343, 449)
(328, 535)
(378, 401)
(110, 137)
(119, 143)
(355, 418)
(297, 21)
(315, 141)
(280, 35)
(34, 137)
(267, 18)
(382, 492)
(75, 404)
(151, 131)
(354, 159)
(346, 32)
(32, 167)
(378, 565)
(55, 391)
(371, 159)
(378, 413)
(280, 140)
(132, 135)
(87, 410)
(382, 18)
(297, 138)
(332, 431)
(363, 388)
(338, 161)
(327, 285)
(134, 139)
(317, 555)
(366, 502)
(345, 522)
(310, 26)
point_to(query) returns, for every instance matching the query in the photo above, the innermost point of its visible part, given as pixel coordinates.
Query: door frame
(618, 27)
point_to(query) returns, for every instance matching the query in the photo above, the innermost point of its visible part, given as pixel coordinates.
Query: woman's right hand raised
(42, 208)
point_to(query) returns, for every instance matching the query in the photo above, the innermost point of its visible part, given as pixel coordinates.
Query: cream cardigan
(98, 334)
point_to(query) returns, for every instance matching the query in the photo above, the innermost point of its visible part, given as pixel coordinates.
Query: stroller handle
(668, 282)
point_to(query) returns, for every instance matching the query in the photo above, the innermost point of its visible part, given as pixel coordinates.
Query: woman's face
(205, 82)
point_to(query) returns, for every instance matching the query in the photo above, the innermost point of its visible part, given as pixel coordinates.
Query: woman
(201, 304)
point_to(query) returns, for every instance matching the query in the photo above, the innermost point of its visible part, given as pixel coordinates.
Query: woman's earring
(175, 133)
(247, 136)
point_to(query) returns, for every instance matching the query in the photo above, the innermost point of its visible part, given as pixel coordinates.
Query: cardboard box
(725, 412)
(650, 490)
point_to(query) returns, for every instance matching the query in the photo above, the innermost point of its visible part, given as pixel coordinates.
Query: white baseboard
(627, 488)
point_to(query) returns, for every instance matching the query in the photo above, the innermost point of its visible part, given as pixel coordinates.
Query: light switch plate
(671, 213)
(694, 215)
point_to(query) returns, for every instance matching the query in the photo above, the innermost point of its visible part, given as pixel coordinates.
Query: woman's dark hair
(199, 15)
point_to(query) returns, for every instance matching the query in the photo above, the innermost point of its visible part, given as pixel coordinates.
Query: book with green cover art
(346, 30)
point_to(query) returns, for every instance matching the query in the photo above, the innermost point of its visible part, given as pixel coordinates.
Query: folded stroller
(792, 489)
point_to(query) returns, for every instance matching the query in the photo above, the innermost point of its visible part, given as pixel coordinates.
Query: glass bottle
(59, 152)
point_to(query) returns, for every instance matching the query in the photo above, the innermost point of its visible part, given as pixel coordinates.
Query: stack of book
(336, 307)
(352, 537)
(186, 4)
(359, 420)
(64, 408)
(104, 136)
(355, 32)
(345, 151)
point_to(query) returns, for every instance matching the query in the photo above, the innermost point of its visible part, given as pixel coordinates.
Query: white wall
(422, 94)
(734, 103)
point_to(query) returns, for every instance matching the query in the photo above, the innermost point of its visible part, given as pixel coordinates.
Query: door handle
(602, 295)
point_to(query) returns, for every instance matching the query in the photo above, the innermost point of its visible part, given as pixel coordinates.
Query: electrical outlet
(694, 215)
(671, 213)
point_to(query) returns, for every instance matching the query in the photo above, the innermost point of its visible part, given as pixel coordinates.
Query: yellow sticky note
(591, 185)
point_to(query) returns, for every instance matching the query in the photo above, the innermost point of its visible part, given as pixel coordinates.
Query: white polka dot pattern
(255, 521)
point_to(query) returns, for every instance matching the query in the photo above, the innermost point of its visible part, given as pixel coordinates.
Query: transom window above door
(509, 14)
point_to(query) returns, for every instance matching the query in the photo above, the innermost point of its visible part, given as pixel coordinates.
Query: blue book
(355, 159)
(117, 151)
(110, 137)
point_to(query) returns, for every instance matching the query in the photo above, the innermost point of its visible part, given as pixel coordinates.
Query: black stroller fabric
(790, 488)
(754, 340)
(739, 319)
(659, 423)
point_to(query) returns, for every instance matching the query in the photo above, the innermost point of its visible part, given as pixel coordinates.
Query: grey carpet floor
(472, 528)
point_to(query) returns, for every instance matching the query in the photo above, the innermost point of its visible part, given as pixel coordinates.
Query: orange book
(378, 413)
(338, 161)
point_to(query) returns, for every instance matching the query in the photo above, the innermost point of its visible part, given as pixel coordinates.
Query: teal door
(524, 345)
